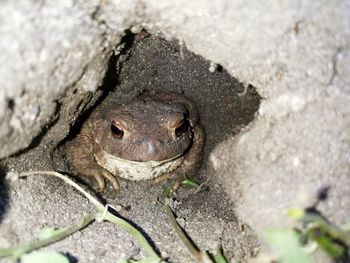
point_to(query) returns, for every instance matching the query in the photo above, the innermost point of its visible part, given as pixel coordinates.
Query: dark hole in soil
(153, 64)
(10, 104)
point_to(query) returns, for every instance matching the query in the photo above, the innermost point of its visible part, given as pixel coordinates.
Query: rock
(53, 56)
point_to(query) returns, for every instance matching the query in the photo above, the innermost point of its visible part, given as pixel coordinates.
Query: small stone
(12, 176)
(213, 67)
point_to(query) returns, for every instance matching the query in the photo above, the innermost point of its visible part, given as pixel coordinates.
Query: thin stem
(132, 231)
(18, 251)
(92, 199)
(182, 236)
(103, 213)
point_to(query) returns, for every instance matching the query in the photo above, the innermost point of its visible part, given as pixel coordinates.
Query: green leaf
(190, 183)
(287, 247)
(44, 257)
(296, 213)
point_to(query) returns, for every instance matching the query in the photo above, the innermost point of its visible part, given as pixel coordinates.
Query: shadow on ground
(4, 198)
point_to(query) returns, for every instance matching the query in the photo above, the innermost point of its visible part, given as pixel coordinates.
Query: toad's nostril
(153, 147)
(150, 149)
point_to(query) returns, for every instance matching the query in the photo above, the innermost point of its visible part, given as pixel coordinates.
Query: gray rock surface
(300, 140)
(297, 55)
(53, 55)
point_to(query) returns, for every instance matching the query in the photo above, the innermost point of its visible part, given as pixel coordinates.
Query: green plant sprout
(334, 240)
(191, 183)
(289, 244)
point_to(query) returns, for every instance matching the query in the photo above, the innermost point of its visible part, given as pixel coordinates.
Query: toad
(155, 136)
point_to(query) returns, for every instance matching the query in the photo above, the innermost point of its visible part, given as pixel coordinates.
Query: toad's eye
(117, 132)
(181, 127)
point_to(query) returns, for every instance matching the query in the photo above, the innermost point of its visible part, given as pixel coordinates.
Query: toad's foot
(100, 174)
(177, 177)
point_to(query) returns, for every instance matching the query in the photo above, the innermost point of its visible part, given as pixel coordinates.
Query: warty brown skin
(153, 128)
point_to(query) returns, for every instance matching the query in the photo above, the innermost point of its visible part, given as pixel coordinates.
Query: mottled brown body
(156, 136)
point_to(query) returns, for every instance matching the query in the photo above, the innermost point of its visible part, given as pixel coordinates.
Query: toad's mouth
(137, 170)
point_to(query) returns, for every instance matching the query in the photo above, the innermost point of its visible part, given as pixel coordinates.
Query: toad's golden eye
(182, 127)
(117, 132)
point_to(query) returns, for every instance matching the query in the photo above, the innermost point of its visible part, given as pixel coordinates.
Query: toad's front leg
(81, 154)
(192, 160)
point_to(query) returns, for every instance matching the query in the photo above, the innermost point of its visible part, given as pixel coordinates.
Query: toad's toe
(111, 178)
(177, 176)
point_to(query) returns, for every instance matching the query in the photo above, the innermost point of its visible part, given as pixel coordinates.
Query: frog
(156, 136)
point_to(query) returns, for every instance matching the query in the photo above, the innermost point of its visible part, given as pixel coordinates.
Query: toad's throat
(135, 170)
